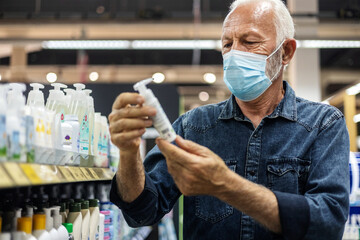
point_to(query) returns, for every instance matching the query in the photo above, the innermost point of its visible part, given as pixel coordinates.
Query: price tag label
(15, 172)
(5, 180)
(31, 174)
(46, 173)
(77, 173)
(93, 174)
(100, 173)
(86, 173)
(66, 173)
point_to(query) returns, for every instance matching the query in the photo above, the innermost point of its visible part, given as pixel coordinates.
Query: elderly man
(263, 164)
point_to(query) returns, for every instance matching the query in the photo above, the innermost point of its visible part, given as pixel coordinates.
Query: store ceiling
(31, 21)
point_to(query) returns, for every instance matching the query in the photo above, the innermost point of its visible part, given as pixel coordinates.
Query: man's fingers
(127, 98)
(129, 124)
(171, 151)
(190, 146)
(132, 112)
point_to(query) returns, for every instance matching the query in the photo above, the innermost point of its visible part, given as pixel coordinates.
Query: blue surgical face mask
(245, 74)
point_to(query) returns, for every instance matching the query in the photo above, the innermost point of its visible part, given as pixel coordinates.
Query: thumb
(191, 146)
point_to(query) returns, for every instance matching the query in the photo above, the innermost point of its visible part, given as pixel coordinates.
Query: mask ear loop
(277, 49)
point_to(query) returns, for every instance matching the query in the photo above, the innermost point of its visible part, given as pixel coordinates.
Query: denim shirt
(300, 152)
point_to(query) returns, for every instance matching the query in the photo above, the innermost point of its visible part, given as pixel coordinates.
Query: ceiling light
(158, 77)
(209, 78)
(93, 76)
(204, 96)
(87, 44)
(357, 118)
(174, 44)
(353, 90)
(51, 77)
(328, 44)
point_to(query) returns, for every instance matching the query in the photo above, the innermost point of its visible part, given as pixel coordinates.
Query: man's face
(250, 28)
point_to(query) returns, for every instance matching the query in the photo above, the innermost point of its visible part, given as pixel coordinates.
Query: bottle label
(14, 145)
(29, 141)
(2, 135)
(84, 135)
(100, 145)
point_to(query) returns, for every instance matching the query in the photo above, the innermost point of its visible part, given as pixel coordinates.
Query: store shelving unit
(14, 174)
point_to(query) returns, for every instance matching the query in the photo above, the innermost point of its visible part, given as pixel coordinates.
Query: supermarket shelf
(13, 174)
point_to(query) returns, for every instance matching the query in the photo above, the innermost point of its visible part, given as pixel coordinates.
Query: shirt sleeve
(160, 192)
(322, 211)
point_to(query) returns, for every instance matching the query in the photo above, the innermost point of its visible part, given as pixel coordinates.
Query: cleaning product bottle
(78, 107)
(94, 219)
(29, 134)
(91, 114)
(56, 100)
(49, 226)
(85, 228)
(3, 110)
(36, 102)
(25, 226)
(71, 131)
(36, 96)
(5, 236)
(56, 103)
(101, 226)
(105, 136)
(39, 223)
(63, 212)
(69, 228)
(62, 232)
(160, 120)
(97, 135)
(68, 98)
(75, 218)
(15, 124)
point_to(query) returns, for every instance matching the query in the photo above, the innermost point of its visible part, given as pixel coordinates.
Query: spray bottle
(160, 120)
(3, 109)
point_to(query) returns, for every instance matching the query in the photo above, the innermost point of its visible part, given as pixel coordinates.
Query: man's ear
(289, 48)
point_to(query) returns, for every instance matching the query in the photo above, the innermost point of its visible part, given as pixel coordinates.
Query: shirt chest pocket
(287, 174)
(212, 209)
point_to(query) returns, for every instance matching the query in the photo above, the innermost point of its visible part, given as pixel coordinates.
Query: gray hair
(284, 23)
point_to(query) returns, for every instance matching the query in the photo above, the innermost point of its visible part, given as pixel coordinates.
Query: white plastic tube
(160, 120)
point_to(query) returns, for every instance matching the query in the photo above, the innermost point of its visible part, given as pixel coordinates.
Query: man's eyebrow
(244, 35)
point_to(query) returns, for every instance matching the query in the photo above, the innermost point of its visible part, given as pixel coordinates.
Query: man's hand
(195, 169)
(128, 121)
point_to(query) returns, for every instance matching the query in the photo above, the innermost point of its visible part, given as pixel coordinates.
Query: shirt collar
(285, 109)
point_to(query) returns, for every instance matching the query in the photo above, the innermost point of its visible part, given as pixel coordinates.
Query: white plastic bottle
(61, 230)
(101, 226)
(78, 107)
(71, 132)
(85, 229)
(39, 223)
(94, 219)
(97, 135)
(105, 136)
(91, 114)
(36, 101)
(3, 109)
(160, 120)
(15, 123)
(49, 226)
(75, 218)
(69, 228)
(5, 236)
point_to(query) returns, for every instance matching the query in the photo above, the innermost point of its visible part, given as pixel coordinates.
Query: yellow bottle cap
(39, 222)
(24, 224)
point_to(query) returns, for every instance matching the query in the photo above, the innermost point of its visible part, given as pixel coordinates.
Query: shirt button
(252, 173)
